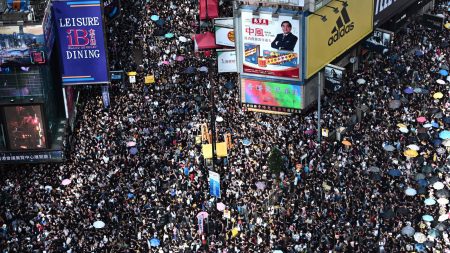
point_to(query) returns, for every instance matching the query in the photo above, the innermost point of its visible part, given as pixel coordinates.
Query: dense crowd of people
(342, 198)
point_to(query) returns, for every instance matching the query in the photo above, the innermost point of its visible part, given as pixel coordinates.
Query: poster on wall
(271, 94)
(271, 46)
(224, 36)
(81, 39)
(226, 61)
(333, 77)
(22, 45)
(380, 41)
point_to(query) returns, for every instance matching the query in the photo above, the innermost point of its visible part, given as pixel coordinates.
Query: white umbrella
(448, 78)
(361, 81)
(420, 237)
(442, 201)
(219, 119)
(403, 130)
(66, 181)
(182, 39)
(410, 192)
(443, 217)
(99, 224)
(408, 230)
(446, 143)
(440, 81)
(438, 185)
(48, 188)
(413, 147)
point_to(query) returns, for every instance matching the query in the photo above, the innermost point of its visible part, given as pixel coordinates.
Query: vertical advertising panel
(331, 31)
(333, 77)
(380, 41)
(226, 61)
(25, 127)
(271, 46)
(214, 184)
(271, 94)
(22, 45)
(82, 43)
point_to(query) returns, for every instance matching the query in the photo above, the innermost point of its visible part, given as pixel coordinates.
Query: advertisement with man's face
(271, 46)
(334, 30)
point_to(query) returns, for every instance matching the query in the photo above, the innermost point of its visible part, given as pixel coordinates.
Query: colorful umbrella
(220, 206)
(361, 81)
(444, 135)
(154, 17)
(168, 35)
(179, 58)
(389, 148)
(154, 242)
(438, 95)
(131, 144)
(395, 172)
(410, 153)
(408, 90)
(408, 231)
(98, 224)
(133, 150)
(429, 202)
(202, 214)
(410, 192)
(346, 143)
(427, 217)
(421, 119)
(403, 130)
(443, 72)
(260, 185)
(66, 181)
(447, 25)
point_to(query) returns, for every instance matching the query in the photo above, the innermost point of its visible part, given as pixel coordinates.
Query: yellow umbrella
(346, 143)
(411, 153)
(447, 25)
(438, 95)
(401, 125)
(234, 232)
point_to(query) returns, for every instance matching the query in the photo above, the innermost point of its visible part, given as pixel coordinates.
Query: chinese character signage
(272, 94)
(226, 61)
(82, 45)
(271, 46)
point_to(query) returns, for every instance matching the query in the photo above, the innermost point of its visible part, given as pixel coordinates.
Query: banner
(386, 9)
(333, 77)
(271, 94)
(105, 96)
(214, 184)
(224, 36)
(132, 79)
(299, 3)
(329, 37)
(226, 61)
(271, 46)
(82, 44)
(22, 45)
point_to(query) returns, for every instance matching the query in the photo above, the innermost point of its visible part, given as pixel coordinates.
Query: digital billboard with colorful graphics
(271, 46)
(81, 40)
(329, 34)
(22, 45)
(272, 94)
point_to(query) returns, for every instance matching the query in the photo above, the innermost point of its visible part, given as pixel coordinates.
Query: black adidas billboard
(386, 9)
(331, 31)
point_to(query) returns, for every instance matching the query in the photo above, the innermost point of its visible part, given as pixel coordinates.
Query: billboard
(82, 43)
(226, 61)
(333, 77)
(22, 45)
(433, 21)
(380, 41)
(224, 36)
(299, 3)
(225, 22)
(270, 46)
(214, 184)
(271, 95)
(25, 127)
(386, 9)
(329, 37)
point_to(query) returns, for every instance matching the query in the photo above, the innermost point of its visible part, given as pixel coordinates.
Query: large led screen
(22, 45)
(25, 127)
(274, 94)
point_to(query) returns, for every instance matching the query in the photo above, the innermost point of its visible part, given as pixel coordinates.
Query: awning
(205, 41)
(209, 9)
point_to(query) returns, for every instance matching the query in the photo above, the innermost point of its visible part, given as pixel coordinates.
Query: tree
(276, 164)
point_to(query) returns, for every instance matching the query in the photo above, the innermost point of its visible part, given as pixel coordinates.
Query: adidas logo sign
(343, 26)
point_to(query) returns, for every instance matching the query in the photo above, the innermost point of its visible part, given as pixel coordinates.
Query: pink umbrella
(220, 206)
(202, 214)
(166, 62)
(421, 119)
(66, 181)
(179, 58)
(131, 144)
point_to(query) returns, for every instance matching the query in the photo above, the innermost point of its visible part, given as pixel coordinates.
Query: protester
(342, 198)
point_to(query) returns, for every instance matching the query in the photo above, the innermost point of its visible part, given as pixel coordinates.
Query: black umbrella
(441, 226)
(402, 211)
(189, 70)
(443, 193)
(375, 176)
(388, 214)
(427, 169)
